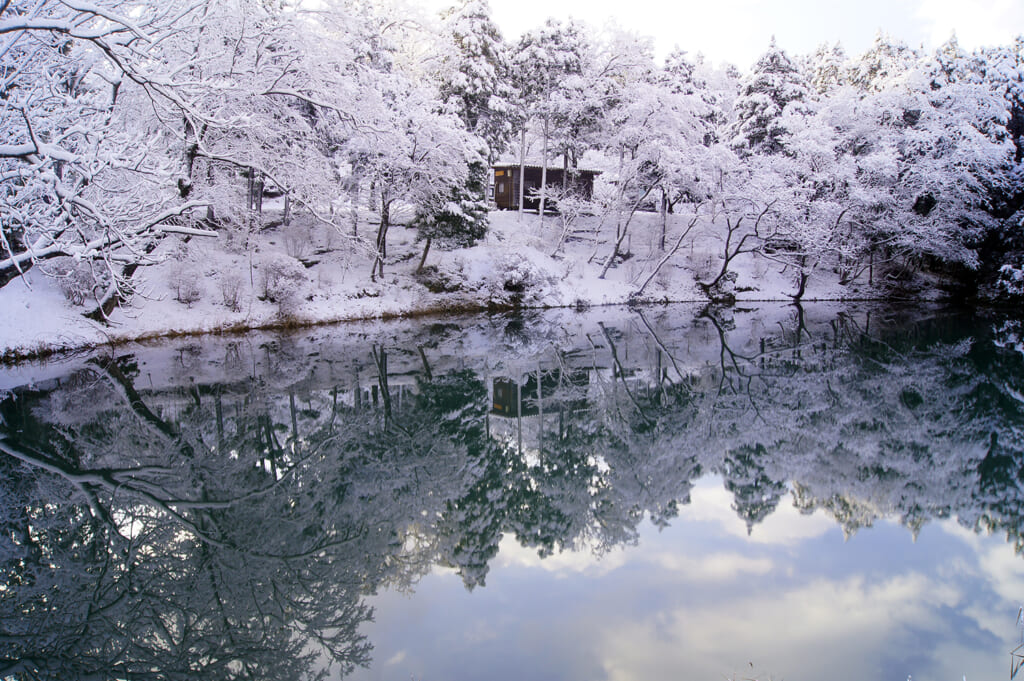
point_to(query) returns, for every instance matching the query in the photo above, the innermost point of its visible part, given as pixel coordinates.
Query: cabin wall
(506, 186)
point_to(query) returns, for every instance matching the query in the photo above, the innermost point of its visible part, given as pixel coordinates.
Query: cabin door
(503, 189)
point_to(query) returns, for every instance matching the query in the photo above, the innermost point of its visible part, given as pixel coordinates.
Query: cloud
(999, 567)
(397, 658)
(583, 560)
(811, 631)
(786, 526)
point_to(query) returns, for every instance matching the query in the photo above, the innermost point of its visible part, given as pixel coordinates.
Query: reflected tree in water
(232, 526)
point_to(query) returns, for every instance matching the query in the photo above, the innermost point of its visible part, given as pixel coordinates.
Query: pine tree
(884, 61)
(774, 84)
(828, 68)
(474, 78)
(456, 218)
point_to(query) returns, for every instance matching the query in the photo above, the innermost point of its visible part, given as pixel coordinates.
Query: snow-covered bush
(230, 289)
(1011, 281)
(520, 280)
(280, 279)
(436, 280)
(75, 278)
(183, 280)
(1009, 335)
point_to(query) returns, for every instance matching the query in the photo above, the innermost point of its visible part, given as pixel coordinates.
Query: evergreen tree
(755, 494)
(775, 84)
(828, 69)
(884, 61)
(474, 78)
(457, 217)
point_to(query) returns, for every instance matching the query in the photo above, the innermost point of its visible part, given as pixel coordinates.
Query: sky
(738, 31)
(702, 599)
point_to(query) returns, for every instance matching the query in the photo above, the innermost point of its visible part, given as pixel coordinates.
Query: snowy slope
(314, 275)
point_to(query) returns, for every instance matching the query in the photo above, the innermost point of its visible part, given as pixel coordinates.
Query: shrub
(280, 280)
(520, 281)
(437, 281)
(297, 241)
(230, 290)
(76, 279)
(184, 283)
(1011, 281)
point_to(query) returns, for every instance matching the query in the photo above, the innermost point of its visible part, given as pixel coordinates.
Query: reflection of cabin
(549, 391)
(506, 184)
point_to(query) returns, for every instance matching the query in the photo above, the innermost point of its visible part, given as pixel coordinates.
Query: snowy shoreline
(41, 349)
(511, 269)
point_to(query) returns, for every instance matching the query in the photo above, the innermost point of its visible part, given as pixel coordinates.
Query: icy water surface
(674, 493)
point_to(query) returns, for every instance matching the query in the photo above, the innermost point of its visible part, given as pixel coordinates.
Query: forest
(131, 127)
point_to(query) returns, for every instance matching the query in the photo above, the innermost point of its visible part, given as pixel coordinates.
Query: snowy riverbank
(305, 274)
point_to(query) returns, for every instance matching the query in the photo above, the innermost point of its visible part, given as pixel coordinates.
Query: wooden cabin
(552, 391)
(506, 184)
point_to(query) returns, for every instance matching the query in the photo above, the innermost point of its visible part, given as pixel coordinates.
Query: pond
(763, 492)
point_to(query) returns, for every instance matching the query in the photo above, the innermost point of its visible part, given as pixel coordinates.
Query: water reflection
(223, 508)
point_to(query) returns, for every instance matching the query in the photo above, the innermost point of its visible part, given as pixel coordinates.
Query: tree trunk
(802, 277)
(543, 175)
(382, 237)
(426, 365)
(189, 160)
(354, 213)
(423, 258)
(381, 360)
(664, 219)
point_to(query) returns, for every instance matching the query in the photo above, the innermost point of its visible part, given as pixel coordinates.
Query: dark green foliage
(456, 218)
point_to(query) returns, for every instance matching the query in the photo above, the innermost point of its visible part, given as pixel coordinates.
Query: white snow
(336, 286)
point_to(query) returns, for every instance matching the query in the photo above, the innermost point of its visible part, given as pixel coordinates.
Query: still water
(762, 493)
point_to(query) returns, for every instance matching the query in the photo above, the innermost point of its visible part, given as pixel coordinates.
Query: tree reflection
(228, 522)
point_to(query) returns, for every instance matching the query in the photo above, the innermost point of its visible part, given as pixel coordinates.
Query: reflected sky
(702, 599)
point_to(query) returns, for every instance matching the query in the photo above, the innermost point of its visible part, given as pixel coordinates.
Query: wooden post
(522, 171)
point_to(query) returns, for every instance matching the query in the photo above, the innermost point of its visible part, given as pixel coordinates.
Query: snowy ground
(315, 275)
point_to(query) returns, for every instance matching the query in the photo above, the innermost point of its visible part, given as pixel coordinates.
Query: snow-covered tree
(906, 172)
(774, 84)
(413, 156)
(1004, 72)
(474, 75)
(548, 68)
(657, 134)
(887, 59)
(828, 68)
(79, 176)
(124, 117)
(456, 217)
(953, 152)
